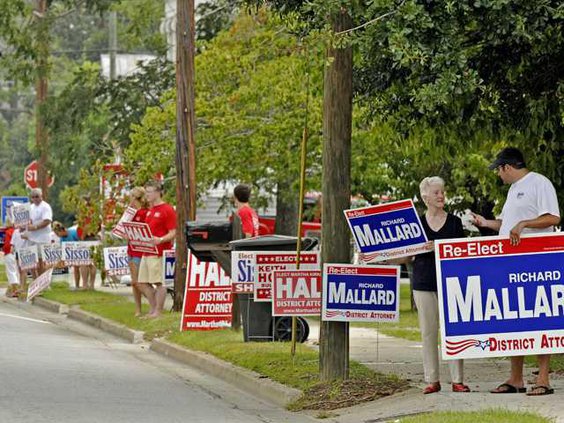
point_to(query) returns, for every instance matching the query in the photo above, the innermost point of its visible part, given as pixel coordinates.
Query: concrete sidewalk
(387, 354)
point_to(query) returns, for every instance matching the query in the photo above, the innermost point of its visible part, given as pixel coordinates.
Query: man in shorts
(38, 231)
(531, 206)
(161, 219)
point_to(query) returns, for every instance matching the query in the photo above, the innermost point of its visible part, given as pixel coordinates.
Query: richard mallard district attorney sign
(496, 299)
(387, 231)
(354, 293)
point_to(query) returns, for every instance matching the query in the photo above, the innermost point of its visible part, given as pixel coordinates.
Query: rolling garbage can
(258, 322)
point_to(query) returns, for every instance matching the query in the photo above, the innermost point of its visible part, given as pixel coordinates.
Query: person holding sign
(438, 224)
(531, 206)
(68, 235)
(161, 219)
(39, 230)
(139, 203)
(10, 263)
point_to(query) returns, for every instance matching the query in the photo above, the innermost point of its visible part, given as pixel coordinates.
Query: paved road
(55, 370)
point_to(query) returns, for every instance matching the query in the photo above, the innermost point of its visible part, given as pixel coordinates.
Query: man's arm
(167, 238)
(40, 225)
(543, 221)
(482, 222)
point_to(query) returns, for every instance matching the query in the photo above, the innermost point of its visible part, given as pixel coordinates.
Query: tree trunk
(286, 210)
(185, 143)
(41, 138)
(336, 190)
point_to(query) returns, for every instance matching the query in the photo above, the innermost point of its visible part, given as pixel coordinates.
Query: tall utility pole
(185, 142)
(41, 136)
(336, 190)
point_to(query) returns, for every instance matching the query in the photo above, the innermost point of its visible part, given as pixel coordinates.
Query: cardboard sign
(52, 254)
(7, 202)
(40, 284)
(498, 300)
(207, 298)
(78, 253)
(296, 293)
(127, 216)
(28, 257)
(140, 237)
(387, 231)
(242, 271)
(169, 264)
(20, 214)
(116, 261)
(269, 261)
(360, 293)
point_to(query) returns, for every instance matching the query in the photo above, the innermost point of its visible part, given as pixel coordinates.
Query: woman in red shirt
(137, 201)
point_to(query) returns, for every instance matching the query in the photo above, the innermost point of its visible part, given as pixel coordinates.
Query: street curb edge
(133, 336)
(247, 380)
(51, 305)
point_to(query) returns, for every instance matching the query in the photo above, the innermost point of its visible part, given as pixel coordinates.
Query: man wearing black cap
(531, 206)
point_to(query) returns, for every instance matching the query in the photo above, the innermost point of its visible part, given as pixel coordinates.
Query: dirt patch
(341, 394)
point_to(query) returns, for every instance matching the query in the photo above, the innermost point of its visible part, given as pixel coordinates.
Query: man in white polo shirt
(41, 216)
(531, 207)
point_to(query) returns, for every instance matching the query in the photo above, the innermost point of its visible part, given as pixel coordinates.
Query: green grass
(493, 416)
(408, 325)
(114, 307)
(556, 362)
(3, 277)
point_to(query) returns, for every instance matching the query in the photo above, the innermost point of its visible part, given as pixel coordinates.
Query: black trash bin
(257, 319)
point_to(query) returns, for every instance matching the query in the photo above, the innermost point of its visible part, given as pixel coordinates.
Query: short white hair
(426, 183)
(37, 191)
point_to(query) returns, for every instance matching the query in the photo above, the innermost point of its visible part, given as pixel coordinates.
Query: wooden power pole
(336, 190)
(41, 136)
(185, 142)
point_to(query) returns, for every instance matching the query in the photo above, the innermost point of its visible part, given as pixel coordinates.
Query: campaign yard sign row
(387, 231)
(501, 300)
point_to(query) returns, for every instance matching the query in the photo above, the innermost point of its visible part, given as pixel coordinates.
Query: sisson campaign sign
(243, 271)
(207, 298)
(78, 253)
(7, 203)
(296, 293)
(20, 214)
(268, 262)
(140, 237)
(28, 257)
(496, 299)
(52, 254)
(387, 231)
(116, 261)
(41, 283)
(354, 293)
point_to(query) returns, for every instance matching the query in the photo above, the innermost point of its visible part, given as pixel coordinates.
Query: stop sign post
(31, 176)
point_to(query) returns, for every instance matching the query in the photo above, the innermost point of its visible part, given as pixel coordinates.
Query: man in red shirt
(249, 218)
(161, 219)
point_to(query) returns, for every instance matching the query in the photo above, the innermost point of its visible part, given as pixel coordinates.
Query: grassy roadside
(487, 416)
(271, 359)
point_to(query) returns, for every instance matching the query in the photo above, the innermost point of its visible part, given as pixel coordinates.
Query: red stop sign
(30, 176)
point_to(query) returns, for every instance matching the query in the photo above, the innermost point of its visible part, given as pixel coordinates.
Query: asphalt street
(56, 370)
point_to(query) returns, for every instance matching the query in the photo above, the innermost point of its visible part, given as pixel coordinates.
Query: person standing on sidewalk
(138, 202)
(161, 219)
(10, 262)
(68, 235)
(39, 230)
(438, 224)
(248, 216)
(531, 206)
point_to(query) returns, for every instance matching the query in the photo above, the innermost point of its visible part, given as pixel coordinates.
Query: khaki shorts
(150, 270)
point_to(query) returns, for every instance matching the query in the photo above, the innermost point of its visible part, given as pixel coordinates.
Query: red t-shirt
(161, 220)
(140, 218)
(7, 248)
(249, 220)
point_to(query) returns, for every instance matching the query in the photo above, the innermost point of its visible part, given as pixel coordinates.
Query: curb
(51, 305)
(244, 379)
(133, 336)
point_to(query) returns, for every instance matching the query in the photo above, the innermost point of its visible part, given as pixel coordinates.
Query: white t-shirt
(17, 241)
(38, 214)
(528, 198)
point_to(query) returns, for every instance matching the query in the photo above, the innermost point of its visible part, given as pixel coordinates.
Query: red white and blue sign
(387, 231)
(354, 293)
(496, 299)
